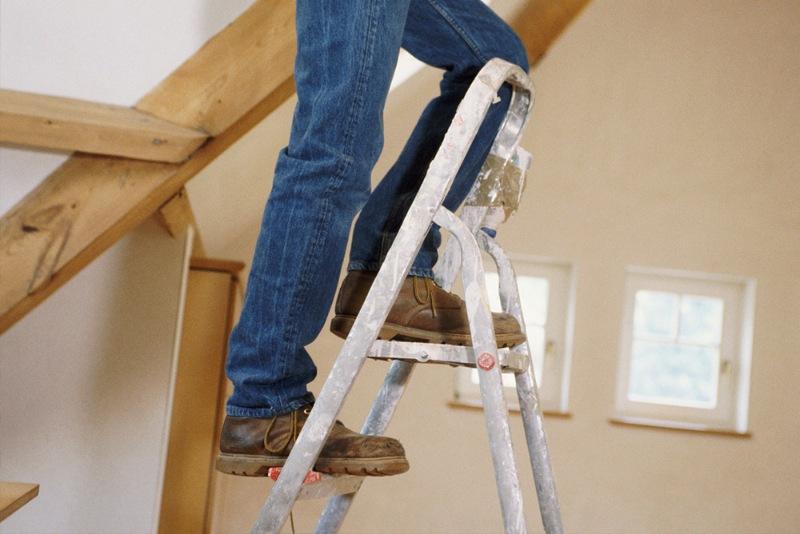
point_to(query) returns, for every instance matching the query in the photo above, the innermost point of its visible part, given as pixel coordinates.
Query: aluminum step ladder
(493, 196)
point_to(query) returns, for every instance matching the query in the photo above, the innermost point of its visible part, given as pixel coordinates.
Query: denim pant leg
(459, 36)
(347, 52)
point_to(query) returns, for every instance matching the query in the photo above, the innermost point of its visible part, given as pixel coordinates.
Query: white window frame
(554, 396)
(731, 410)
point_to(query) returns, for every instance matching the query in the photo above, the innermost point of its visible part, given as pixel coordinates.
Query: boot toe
(380, 447)
(505, 323)
(392, 447)
(358, 446)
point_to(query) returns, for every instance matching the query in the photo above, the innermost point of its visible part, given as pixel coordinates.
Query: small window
(546, 294)
(685, 349)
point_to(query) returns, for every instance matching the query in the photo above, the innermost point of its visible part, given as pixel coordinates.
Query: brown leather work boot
(423, 311)
(250, 446)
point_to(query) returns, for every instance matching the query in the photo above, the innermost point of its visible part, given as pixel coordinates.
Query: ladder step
(319, 486)
(454, 355)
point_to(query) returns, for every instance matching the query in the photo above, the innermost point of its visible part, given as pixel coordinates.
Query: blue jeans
(346, 56)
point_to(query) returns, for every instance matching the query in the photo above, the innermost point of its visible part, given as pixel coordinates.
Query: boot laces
(291, 436)
(429, 286)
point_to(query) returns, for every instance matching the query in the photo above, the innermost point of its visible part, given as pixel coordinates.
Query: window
(685, 349)
(546, 290)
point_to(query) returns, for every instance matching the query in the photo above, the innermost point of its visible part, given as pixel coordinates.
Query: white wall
(83, 391)
(84, 377)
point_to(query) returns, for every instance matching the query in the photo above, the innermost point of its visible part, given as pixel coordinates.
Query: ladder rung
(319, 486)
(329, 486)
(447, 354)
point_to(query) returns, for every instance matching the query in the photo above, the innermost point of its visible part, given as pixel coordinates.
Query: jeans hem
(359, 265)
(267, 413)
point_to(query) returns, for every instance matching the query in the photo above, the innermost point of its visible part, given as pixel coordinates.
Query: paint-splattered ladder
(494, 196)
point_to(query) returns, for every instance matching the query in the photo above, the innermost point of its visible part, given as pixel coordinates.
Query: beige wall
(84, 383)
(666, 135)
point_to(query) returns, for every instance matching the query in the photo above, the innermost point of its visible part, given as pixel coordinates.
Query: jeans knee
(521, 56)
(351, 196)
(503, 43)
(513, 50)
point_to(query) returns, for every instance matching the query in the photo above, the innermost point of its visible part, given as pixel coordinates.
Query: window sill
(677, 425)
(476, 406)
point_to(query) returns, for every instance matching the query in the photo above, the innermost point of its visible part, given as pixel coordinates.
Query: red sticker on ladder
(486, 361)
(311, 476)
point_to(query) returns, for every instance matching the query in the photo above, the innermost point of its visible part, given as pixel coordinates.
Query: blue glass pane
(701, 320)
(667, 373)
(656, 314)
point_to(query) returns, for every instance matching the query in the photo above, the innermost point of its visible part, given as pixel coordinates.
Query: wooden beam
(14, 495)
(235, 80)
(53, 122)
(233, 72)
(540, 22)
(86, 205)
(175, 215)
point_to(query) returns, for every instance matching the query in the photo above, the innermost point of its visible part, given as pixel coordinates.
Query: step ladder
(496, 192)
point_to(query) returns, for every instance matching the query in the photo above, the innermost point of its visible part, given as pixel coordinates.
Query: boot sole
(254, 465)
(341, 325)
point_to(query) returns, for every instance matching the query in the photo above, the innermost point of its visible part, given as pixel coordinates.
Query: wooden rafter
(233, 72)
(540, 22)
(176, 215)
(43, 121)
(235, 80)
(85, 206)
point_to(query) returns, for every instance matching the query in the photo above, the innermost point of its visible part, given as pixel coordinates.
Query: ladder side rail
(528, 394)
(489, 372)
(505, 143)
(446, 269)
(388, 397)
(510, 132)
(377, 421)
(441, 172)
(507, 279)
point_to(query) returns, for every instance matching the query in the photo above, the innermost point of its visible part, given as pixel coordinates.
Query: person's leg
(459, 36)
(347, 50)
